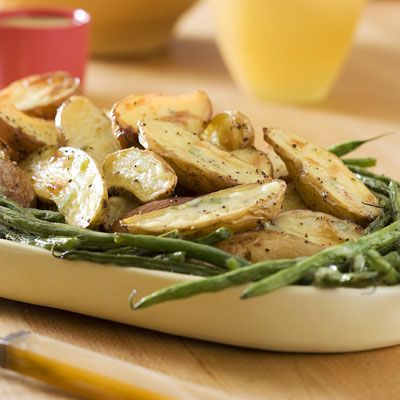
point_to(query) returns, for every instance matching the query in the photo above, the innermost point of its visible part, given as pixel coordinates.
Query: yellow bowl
(122, 27)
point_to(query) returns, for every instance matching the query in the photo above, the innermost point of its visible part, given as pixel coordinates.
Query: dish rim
(177, 277)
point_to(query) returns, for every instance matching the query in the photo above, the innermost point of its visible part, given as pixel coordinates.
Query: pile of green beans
(373, 259)
(358, 263)
(37, 228)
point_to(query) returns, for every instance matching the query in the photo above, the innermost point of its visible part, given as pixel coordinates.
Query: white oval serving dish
(296, 318)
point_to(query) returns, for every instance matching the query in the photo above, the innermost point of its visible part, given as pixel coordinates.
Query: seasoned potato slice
(70, 178)
(279, 170)
(117, 207)
(191, 111)
(148, 207)
(255, 157)
(229, 130)
(15, 185)
(268, 245)
(141, 173)
(35, 168)
(23, 133)
(292, 200)
(316, 227)
(200, 166)
(86, 127)
(323, 181)
(241, 208)
(41, 95)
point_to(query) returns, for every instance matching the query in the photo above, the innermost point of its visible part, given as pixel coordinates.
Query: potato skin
(229, 130)
(25, 134)
(322, 180)
(268, 245)
(15, 185)
(148, 207)
(54, 89)
(191, 111)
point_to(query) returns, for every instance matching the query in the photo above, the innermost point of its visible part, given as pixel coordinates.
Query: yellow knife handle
(91, 375)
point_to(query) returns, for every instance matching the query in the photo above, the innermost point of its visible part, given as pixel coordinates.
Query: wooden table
(365, 102)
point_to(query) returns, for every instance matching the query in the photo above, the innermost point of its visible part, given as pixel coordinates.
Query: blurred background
(304, 65)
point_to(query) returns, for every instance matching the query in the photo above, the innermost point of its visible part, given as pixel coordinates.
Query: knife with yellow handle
(91, 375)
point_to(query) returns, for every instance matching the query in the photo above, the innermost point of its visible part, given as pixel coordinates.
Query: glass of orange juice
(286, 50)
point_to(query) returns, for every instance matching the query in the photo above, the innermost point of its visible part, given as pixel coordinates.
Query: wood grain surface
(365, 102)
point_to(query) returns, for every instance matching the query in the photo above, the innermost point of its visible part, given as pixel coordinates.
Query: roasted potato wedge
(316, 227)
(146, 208)
(35, 166)
(23, 133)
(279, 170)
(322, 180)
(229, 130)
(86, 127)
(268, 245)
(141, 173)
(71, 179)
(200, 166)
(41, 95)
(292, 200)
(117, 207)
(191, 111)
(240, 208)
(255, 157)
(15, 185)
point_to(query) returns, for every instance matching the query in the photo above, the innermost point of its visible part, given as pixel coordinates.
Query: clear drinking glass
(286, 50)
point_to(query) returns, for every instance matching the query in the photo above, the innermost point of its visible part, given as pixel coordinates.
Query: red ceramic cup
(35, 41)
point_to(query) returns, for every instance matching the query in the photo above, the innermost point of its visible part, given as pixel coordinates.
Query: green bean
(215, 284)
(330, 256)
(140, 262)
(379, 264)
(47, 215)
(95, 239)
(178, 256)
(194, 250)
(358, 264)
(32, 225)
(342, 149)
(12, 205)
(394, 197)
(61, 243)
(394, 259)
(374, 184)
(326, 277)
(360, 162)
(378, 223)
(130, 250)
(215, 237)
(384, 201)
(369, 174)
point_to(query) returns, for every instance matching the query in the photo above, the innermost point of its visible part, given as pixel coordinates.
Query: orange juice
(286, 50)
